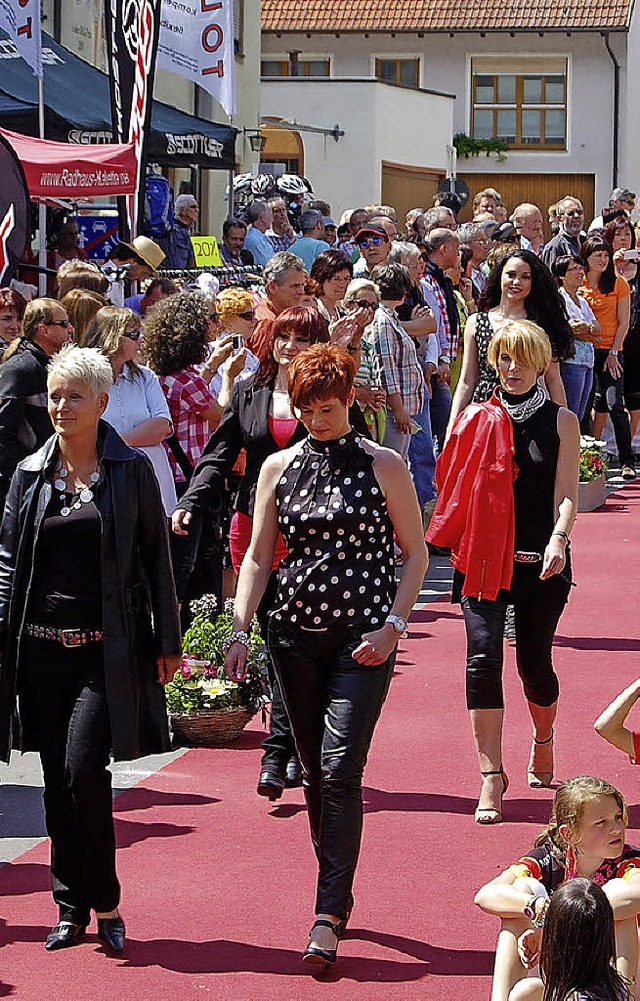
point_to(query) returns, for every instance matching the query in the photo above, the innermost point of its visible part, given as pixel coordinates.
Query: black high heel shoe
(314, 955)
(64, 935)
(491, 814)
(111, 931)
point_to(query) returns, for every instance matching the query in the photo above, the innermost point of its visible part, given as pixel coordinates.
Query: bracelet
(238, 636)
(535, 915)
(563, 535)
(352, 350)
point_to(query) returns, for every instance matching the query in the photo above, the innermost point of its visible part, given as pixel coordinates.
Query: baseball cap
(328, 221)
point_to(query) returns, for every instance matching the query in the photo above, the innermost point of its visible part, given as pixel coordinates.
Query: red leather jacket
(475, 515)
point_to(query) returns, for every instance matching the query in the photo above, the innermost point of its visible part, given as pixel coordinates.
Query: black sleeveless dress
(333, 516)
(537, 446)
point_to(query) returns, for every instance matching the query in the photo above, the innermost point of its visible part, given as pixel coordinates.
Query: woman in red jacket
(508, 485)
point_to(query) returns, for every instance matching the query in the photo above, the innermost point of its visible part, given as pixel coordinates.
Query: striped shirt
(400, 369)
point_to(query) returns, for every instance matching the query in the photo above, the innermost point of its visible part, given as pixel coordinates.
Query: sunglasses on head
(248, 315)
(375, 240)
(133, 335)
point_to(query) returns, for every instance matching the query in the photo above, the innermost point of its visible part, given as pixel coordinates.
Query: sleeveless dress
(487, 376)
(339, 570)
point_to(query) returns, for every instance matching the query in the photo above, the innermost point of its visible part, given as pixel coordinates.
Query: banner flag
(15, 212)
(21, 21)
(196, 41)
(132, 28)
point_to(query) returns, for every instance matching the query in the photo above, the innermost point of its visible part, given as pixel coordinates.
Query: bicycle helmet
(263, 186)
(291, 184)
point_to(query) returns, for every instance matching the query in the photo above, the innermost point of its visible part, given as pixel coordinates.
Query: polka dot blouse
(334, 520)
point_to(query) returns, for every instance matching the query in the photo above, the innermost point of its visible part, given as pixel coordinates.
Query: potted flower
(206, 708)
(592, 489)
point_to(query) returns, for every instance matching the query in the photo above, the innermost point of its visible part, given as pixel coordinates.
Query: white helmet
(291, 184)
(263, 185)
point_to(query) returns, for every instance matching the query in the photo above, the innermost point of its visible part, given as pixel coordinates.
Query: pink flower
(186, 670)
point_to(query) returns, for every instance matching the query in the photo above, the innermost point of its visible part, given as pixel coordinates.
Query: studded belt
(67, 637)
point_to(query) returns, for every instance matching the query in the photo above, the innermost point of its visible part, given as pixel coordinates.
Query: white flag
(21, 21)
(196, 41)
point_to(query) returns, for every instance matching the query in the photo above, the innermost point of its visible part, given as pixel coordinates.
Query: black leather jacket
(139, 610)
(24, 420)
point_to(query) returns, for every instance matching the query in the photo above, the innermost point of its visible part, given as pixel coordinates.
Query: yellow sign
(206, 251)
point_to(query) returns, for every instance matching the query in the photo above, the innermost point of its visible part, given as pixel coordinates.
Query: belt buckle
(71, 637)
(522, 556)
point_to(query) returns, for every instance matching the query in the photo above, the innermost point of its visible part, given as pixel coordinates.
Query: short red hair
(322, 372)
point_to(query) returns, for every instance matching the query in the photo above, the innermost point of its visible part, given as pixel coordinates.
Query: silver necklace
(79, 497)
(519, 412)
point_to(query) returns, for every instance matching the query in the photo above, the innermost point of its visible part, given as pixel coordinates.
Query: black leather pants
(68, 704)
(333, 704)
(278, 746)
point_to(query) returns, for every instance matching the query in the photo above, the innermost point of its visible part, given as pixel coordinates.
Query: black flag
(15, 212)
(132, 41)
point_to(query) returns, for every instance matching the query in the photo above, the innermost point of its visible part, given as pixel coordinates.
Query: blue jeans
(422, 459)
(577, 381)
(440, 410)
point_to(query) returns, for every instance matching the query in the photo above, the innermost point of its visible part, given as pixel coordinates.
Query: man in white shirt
(527, 219)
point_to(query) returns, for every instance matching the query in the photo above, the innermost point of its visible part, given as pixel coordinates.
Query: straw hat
(147, 251)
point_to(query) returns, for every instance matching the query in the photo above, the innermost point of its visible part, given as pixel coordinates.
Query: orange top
(605, 307)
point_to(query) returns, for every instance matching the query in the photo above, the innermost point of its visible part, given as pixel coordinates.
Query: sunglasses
(213, 317)
(362, 304)
(249, 315)
(58, 323)
(133, 335)
(375, 240)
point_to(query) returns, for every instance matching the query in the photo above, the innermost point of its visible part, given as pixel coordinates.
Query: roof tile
(444, 15)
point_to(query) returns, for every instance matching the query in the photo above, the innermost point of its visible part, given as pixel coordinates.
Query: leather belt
(523, 557)
(67, 637)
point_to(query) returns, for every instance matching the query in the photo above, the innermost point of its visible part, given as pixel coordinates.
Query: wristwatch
(535, 914)
(399, 624)
(614, 353)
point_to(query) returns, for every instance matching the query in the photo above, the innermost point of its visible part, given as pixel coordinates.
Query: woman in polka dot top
(338, 499)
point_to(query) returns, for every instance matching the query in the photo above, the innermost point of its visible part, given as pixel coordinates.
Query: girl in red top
(586, 838)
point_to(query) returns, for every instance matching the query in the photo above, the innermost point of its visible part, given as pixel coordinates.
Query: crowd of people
(292, 445)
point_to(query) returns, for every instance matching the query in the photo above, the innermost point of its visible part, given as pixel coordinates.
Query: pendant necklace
(77, 499)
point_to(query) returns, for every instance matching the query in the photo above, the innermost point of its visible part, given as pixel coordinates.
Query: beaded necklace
(77, 498)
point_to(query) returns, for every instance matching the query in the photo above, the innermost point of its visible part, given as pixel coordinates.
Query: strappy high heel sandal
(536, 778)
(489, 814)
(314, 954)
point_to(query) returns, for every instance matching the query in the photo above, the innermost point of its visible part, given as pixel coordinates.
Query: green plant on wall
(466, 146)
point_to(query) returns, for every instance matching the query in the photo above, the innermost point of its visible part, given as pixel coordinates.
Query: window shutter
(238, 26)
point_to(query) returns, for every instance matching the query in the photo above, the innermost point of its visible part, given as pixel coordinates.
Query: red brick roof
(444, 15)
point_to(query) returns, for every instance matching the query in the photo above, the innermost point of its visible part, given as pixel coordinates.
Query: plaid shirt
(279, 243)
(400, 369)
(448, 338)
(188, 395)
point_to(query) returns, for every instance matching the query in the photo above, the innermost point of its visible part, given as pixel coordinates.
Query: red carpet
(218, 890)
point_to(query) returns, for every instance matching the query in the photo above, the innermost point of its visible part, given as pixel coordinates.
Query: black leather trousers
(333, 704)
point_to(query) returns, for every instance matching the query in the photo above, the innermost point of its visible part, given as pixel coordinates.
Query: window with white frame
(402, 71)
(521, 101)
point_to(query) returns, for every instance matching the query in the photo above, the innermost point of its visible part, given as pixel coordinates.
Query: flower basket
(592, 489)
(205, 708)
(592, 494)
(210, 727)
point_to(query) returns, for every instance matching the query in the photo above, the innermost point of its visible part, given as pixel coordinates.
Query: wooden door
(541, 189)
(407, 187)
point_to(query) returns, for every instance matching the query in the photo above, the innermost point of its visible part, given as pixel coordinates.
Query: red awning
(70, 170)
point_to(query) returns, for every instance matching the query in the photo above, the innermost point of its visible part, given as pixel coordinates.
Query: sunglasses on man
(368, 241)
(58, 323)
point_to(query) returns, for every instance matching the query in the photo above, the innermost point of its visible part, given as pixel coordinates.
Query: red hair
(10, 299)
(305, 321)
(321, 373)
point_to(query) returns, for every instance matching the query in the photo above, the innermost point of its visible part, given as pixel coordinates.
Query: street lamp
(257, 141)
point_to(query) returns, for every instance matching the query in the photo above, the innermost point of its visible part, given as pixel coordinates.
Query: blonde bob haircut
(107, 329)
(525, 342)
(358, 285)
(232, 301)
(86, 365)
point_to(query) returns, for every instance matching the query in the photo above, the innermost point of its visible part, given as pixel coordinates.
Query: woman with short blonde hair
(507, 500)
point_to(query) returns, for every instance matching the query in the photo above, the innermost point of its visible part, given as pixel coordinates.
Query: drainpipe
(616, 106)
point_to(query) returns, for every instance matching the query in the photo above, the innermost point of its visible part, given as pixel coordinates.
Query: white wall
(445, 66)
(380, 122)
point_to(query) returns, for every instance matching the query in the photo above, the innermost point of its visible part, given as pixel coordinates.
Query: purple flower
(186, 670)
